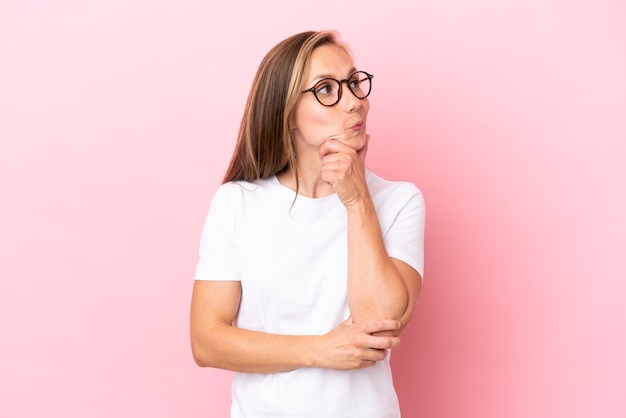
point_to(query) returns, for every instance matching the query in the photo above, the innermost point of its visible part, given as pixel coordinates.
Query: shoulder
(252, 194)
(383, 190)
(240, 188)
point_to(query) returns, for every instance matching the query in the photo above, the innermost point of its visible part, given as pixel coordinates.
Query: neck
(310, 182)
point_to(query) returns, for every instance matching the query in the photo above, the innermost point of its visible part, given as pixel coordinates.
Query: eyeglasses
(328, 90)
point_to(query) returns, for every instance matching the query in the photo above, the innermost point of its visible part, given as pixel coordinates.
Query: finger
(332, 146)
(337, 165)
(374, 355)
(336, 157)
(324, 151)
(383, 343)
(378, 325)
(365, 363)
(335, 146)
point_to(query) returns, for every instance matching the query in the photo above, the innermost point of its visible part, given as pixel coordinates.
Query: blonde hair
(265, 145)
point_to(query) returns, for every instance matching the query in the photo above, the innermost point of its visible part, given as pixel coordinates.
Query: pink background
(117, 119)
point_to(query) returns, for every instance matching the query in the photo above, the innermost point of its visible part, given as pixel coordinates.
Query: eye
(355, 81)
(325, 88)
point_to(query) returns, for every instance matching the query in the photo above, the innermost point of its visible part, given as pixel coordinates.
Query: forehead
(329, 61)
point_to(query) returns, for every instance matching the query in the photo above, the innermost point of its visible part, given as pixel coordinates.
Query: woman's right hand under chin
(343, 167)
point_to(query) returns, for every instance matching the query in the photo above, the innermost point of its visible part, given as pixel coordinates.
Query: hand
(343, 167)
(352, 346)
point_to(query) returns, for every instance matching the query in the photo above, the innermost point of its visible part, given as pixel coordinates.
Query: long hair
(265, 145)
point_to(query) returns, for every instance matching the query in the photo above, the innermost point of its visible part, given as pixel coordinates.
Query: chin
(358, 141)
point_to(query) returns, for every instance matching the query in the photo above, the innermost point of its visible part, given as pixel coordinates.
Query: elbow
(201, 354)
(207, 346)
(198, 356)
(200, 362)
(399, 309)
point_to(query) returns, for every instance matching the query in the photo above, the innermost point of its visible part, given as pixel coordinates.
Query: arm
(217, 343)
(378, 286)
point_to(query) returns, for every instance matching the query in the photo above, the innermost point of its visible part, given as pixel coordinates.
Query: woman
(310, 265)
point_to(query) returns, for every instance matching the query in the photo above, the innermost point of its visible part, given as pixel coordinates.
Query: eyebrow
(323, 76)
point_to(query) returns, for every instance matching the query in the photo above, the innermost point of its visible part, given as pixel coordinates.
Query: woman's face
(345, 121)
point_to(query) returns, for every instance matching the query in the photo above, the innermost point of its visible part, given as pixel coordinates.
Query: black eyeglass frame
(340, 91)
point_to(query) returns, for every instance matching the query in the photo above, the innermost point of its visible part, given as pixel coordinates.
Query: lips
(357, 126)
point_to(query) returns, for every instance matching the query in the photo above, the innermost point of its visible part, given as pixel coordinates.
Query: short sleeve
(404, 239)
(218, 259)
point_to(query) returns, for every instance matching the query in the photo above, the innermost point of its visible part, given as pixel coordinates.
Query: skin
(331, 145)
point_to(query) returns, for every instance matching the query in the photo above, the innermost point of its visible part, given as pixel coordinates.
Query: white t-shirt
(292, 264)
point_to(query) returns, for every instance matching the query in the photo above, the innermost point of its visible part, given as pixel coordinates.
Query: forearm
(228, 347)
(348, 346)
(376, 288)
(216, 342)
